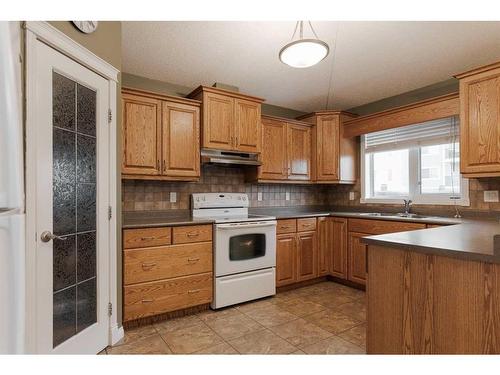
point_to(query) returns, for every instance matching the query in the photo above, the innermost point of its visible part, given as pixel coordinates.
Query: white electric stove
(244, 250)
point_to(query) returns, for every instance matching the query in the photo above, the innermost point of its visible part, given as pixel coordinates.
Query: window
(418, 162)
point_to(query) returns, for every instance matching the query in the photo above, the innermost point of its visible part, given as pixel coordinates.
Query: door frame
(44, 32)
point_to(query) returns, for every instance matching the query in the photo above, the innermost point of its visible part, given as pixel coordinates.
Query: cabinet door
(480, 124)
(307, 253)
(141, 135)
(357, 258)
(286, 259)
(218, 121)
(324, 245)
(274, 150)
(248, 125)
(327, 148)
(299, 152)
(338, 264)
(181, 140)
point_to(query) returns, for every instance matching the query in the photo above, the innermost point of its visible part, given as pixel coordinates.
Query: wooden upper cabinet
(248, 125)
(299, 152)
(181, 137)
(480, 122)
(286, 259)
(307, 253)
(230, 120)
(160, 136)
(141, 135)
(338, 264)
(334, 157)
(218, 121)
(274, 150)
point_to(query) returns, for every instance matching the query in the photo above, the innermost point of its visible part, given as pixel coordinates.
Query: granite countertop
(477, 240)
(149, 219)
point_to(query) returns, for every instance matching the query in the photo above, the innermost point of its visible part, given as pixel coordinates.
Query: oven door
(241, 247)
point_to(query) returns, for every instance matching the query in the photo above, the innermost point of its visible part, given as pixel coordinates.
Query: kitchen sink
(402, 215)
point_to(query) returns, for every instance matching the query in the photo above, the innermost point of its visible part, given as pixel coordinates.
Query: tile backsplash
(140, 195)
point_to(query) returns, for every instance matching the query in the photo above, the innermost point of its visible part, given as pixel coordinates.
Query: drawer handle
(193, 234)
(307, 225)
(148, 265)
(285, 227)
(193, 291)
(147, 300)
(148, 238)
(193, 260)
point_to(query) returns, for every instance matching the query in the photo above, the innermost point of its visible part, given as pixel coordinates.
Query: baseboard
(115, 334)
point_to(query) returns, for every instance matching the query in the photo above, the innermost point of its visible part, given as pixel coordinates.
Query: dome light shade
(304, 53)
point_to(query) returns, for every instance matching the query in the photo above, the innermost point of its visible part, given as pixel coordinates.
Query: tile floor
(324, 318)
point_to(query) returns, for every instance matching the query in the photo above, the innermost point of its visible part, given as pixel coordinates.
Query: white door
(72, 200)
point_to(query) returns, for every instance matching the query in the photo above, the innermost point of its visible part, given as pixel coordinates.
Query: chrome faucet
(407, 205)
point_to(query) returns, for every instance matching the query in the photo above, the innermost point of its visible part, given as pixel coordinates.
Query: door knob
(46, 236)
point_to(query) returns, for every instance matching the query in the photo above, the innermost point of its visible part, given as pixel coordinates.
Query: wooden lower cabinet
(157, 297)
(325, 243)
(357, 258)
(339, 261)
(306, 256)
(286, 259)
(161, 275)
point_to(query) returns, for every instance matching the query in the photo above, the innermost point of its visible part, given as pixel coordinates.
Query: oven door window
(247, 246)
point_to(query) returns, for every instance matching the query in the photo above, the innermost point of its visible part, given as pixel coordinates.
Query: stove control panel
(219, 200)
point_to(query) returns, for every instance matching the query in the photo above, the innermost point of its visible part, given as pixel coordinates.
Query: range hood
(229, 157)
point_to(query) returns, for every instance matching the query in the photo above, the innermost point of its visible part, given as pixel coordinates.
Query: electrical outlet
(352, 195)
(490, 196)
(287, 195)
(173, 197)
(259, 196)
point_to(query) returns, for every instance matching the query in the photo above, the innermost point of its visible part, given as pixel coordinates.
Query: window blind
(428, 133)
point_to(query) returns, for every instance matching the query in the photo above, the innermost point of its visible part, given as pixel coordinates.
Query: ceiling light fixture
(303, 53)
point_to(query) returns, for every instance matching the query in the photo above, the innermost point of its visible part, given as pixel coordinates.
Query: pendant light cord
(333, 66)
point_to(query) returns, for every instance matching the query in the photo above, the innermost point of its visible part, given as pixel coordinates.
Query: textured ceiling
(370, 60)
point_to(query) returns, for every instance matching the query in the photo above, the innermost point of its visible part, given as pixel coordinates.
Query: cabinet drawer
(192, 233)
(159, 297)
(286, 226)
(135, 238)
(304, 225)
(381, 226)
(158, 263)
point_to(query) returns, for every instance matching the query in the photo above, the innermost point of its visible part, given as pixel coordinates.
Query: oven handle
(246, 225)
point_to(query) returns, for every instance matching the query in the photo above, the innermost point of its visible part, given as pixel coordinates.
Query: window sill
(464, 202)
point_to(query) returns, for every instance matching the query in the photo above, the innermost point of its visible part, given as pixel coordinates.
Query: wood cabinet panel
(327, 148)
(248, 125)
(192, 233)
(306, 224)
(141, 135)
(218, 121)
(325, 244)
(181, 140)
(357, 258)
(286, 226)
(338, 265)
(152, 298)
(146, 237)
(156, 263)
(299, 152)
(286, 259)
(381, 226)
(274, 150)
(480, 124)
(307, 253)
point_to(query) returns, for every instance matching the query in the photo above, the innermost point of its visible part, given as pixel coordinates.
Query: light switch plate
(490, 196)
(173, 197)
(351, 195)
(259, 196)
(287, 195)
